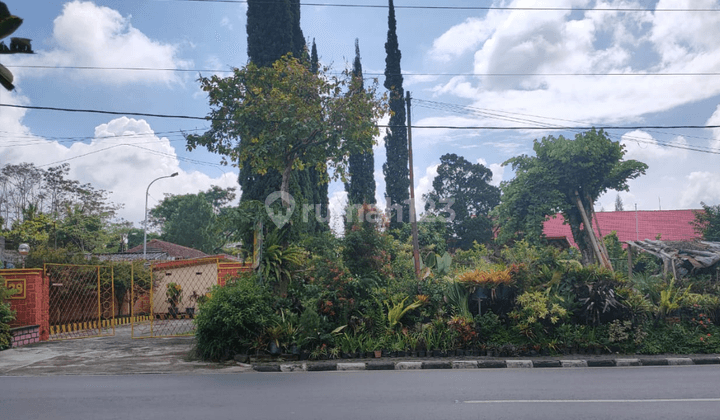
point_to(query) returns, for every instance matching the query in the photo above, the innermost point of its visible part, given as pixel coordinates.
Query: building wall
(198, 278)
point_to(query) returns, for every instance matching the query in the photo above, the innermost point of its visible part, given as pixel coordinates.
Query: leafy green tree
(273, 30)
(465, 188)
(707, 222)
(397, 174)
(361, 186)
(35, 231)
(285, 118)
(135, 237)
(187, 220)
(219, 197)
(562, 172)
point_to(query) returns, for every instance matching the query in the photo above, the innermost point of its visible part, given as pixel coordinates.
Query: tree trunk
(591, 234)
(285, 185)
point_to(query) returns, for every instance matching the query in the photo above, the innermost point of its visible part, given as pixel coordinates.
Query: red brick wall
(34, 308)
(231, 269)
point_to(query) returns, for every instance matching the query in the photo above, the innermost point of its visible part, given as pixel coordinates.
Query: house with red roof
(173, 251)
(668, 225)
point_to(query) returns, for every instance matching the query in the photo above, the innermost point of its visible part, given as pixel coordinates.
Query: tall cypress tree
(314, 59)
(397, 174)
(299, 48)
(270, 30)
(319, 185)
(361, 187)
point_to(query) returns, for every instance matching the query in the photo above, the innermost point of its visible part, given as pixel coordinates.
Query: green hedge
(232, 319)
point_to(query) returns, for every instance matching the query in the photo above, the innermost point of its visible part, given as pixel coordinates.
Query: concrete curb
(483, 364)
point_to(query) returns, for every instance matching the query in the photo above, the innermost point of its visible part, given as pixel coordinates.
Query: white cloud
(460, 39)
(497, 170)
(225, 22)
(641, 146)
(87, 35)
(424, 186)
(593, 42)
(701, 187)
(124, 156)
(338, 202)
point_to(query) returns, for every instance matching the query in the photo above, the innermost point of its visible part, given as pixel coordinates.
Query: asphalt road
(675, 392)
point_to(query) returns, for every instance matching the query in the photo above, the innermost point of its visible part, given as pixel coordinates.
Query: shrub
(6, 316)
(233, 318)
(492, 278)
(536, 314)
(595, 289)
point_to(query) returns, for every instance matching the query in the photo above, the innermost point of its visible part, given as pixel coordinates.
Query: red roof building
(172, 250)
(670, 225)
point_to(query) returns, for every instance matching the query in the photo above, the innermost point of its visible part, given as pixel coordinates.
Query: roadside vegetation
(353, 296)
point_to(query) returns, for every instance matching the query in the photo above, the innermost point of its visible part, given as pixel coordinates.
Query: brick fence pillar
(32, 300)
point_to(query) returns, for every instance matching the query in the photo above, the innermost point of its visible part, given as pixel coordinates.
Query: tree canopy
(562, 172)
(44, 208)
(707, 222)
(465, 188)
(190, 219)
(286, 118)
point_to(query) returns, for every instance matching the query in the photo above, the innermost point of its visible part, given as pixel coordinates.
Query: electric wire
(549, 126)
(405, 74)
(457, 108)
(479, 8)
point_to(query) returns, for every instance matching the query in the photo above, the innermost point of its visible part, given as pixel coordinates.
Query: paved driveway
(115, 355)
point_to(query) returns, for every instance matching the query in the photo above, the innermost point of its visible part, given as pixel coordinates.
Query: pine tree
(361, 187)
(397, 175)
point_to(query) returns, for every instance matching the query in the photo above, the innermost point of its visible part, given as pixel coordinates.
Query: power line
(452, 127)
(549, 126)
(155, 152)
(74, 139)
(96, 111)
(553, 127)
(406, 74)
(480, 8)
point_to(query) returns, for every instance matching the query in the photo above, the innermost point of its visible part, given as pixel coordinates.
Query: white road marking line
(656, 400)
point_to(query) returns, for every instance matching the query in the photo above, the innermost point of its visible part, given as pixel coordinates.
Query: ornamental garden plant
(358, 297)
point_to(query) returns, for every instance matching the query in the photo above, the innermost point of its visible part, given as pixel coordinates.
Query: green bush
(233, 319)
(6, 316)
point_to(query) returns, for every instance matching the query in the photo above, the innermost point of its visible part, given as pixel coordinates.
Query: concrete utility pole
(413, 215)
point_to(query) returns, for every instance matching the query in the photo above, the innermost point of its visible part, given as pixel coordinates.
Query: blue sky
(570, 68)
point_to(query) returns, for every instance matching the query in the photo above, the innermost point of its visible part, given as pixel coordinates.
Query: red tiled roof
(166, 265)
(173, 250)
(671, 225)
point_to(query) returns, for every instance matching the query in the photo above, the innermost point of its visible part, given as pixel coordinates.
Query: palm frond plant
(397, 310)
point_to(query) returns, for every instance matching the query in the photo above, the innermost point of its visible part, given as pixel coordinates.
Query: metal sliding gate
(81, 300)
(165, 304)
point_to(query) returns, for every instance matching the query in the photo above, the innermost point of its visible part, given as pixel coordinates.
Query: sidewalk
(114, 355)
(122, 355)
